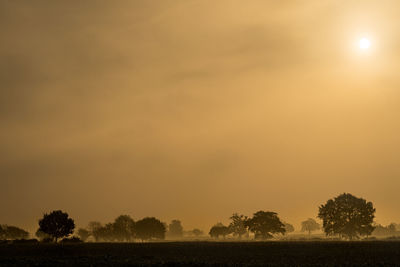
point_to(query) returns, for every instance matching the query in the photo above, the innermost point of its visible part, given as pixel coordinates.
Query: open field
(204, 253)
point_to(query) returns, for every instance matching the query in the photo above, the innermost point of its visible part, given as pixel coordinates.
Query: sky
(193, 110)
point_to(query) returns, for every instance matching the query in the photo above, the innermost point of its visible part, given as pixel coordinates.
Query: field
(365, 253)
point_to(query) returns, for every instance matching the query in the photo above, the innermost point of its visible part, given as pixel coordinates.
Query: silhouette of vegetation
(288, 227)
(197, 232)
(150, 228)
(238, 225)
(175, 229)
(123, 228)
(264, 224)
(57, 224)
(347, 216)
(83, 234)
(309, 225)
(219, 230)
(42, 235)
(389, 230)
(12, 233)
(94, 229)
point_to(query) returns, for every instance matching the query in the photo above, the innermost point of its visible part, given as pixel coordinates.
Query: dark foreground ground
(374, 253)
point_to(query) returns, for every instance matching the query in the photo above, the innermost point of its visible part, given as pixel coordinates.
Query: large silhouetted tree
(238, 225)
(219, 230)
(309, 226)
(347, 216)
(264, 224)
(149, 228)
(57, 224)
(175, 229)
(124, 228)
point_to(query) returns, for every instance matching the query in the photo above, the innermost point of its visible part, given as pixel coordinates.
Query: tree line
(345, 216)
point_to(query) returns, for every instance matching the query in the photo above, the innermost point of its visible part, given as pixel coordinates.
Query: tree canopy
(347, 216)
(264, 224)
(57, 224)
(149, 228)
(309, 226)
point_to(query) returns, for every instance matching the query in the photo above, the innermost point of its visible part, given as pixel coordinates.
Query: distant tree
(149, 228)
(347, 216)
(380, 230)
(309, 225)
(288, 227)
(2, 233)
(175, 229)
(83, 234)
(197, 232)
(94, 229)
(106, 233)
(57, 224)
(264, 224)
(124, 228)
(238, 225)
(219, 230)
(13, 232)
(41, 235)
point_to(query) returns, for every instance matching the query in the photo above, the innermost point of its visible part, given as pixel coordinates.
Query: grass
(366, 253)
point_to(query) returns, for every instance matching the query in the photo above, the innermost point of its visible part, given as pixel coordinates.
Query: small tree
(288, 227)
(149, 228)
(94, 230)
(347, 216)
(83, 234)
(175, 229)
(264, 224)
(309, 226)
(197, 232)
(238, 225)
(124, 228)
(57, 224)
(219, 230)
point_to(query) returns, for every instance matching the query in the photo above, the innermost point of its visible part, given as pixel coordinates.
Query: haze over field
(197, 109)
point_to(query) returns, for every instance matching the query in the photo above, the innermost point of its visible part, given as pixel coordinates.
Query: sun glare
(364, 43)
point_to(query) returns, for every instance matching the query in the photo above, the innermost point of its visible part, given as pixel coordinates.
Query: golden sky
(197, 109)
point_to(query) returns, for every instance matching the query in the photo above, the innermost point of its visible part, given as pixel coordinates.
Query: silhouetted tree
(175, 229)
(264, 224)
(13, 232)
(219, 230)
(309, 226)
(94, 230)
(288, 227)
(380, 230)
(238, 225)
(2, 233)
(149, 228)
(347, 216)
(106, 232)
(197, 232)
(83, 234)
(124, 228)
(57, 224)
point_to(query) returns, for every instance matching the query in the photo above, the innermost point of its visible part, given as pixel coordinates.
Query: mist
(195, 109)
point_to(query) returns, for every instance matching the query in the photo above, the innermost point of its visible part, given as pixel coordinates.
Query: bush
(71, 240)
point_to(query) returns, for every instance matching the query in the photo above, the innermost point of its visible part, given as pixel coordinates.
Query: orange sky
(197, 109)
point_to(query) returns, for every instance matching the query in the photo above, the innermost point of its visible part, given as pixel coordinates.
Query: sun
(364, 43)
